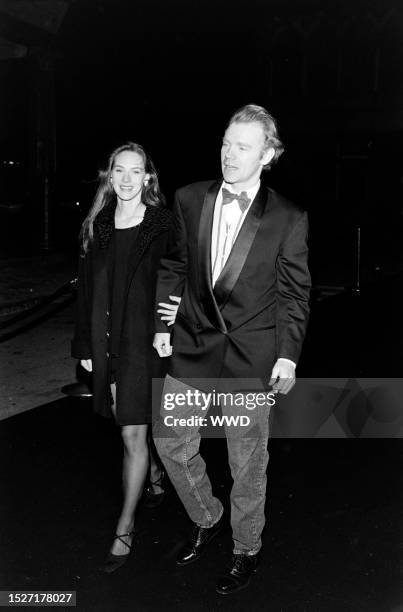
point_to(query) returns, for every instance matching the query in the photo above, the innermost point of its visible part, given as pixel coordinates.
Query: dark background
(169, 74)
(79, 77)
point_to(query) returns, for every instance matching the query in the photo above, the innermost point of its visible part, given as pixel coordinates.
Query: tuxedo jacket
(258, 308)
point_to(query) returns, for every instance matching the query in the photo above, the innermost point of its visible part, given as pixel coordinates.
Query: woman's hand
(162, 344)
(86, 364)
(168, 311)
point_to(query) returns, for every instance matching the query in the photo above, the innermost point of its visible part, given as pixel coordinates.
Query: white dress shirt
(227, 222)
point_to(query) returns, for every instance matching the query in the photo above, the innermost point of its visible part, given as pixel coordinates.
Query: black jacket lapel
(104, 225)
(156, 220)
(204, 244)
(240, 251)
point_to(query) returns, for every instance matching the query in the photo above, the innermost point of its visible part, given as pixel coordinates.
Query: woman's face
(128, 175)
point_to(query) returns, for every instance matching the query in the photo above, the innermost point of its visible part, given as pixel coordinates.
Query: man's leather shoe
(237, 576)
(199, 539)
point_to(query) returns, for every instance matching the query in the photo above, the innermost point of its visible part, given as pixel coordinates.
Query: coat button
(107, 334)
(198, 325)
(107, 354)
(107, 313)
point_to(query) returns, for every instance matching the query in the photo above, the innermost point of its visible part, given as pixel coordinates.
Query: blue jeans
(248, 458)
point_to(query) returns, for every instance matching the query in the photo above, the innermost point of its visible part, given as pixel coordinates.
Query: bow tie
(241, 198)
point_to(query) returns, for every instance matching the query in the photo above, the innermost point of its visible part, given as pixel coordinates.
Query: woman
(122, 240)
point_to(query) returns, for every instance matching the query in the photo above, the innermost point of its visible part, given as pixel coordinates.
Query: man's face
(243, 155)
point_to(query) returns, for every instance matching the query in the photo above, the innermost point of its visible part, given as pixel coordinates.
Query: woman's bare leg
(155, 465)
(135, 467)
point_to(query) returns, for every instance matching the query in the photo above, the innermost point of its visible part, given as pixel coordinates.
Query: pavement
(35, 361)
(25, 280)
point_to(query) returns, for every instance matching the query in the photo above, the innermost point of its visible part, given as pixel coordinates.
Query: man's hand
(283, 376)
(162, 344)
(86, 364)
(168, 311)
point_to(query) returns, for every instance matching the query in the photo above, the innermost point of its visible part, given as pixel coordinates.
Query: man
(238, 259)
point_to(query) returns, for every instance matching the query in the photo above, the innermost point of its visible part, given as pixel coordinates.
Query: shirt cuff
(288, 360)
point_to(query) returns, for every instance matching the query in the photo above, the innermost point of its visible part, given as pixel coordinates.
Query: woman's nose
(125, 177)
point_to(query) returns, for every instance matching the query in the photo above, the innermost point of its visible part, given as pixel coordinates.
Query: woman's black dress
(118, 259)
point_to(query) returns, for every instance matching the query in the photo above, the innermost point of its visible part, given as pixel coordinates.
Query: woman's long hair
(105, 195)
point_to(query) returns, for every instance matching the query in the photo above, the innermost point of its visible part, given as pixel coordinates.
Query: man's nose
(229, 153)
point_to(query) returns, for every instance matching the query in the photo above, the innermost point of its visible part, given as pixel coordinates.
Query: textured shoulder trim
(156, 220)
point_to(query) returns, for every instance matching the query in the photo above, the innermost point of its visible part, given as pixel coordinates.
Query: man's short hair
(253, 112)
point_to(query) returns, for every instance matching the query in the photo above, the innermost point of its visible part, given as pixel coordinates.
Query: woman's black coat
(138, 361)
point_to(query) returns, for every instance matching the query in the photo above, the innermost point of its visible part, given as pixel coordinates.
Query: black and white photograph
(201, 266)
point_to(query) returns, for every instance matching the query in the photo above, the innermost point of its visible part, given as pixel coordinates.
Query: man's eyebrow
(238, 142)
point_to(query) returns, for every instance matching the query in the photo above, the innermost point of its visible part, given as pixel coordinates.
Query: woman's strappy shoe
(113, 562)
(151, 499)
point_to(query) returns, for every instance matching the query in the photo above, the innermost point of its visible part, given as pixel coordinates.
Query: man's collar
(251, 192)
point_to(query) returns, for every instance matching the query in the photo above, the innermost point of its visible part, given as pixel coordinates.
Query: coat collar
(156, 220)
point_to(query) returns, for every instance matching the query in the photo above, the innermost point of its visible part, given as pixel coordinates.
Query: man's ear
(267, 156)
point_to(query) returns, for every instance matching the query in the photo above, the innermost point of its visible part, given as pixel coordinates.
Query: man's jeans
(248, 459)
